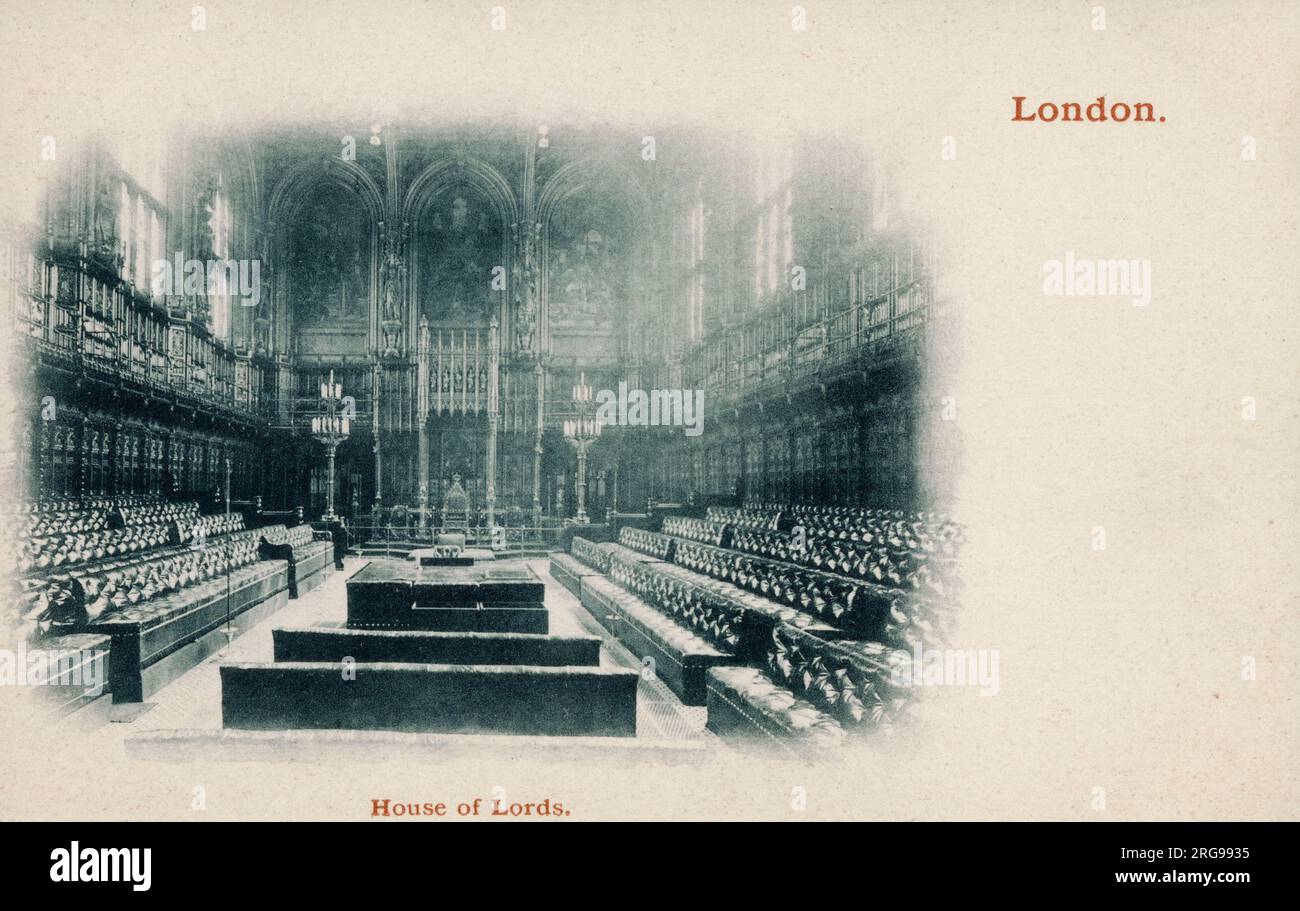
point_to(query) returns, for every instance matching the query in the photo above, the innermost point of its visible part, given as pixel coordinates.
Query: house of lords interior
(467, 431)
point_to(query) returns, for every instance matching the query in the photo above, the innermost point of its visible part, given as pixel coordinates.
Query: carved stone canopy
(456, 500)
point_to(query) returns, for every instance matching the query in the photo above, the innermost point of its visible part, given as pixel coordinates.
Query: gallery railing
(78, 315)
(771, 351)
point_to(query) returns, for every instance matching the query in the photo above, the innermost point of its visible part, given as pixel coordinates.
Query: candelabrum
(330, 428)
(581, 432)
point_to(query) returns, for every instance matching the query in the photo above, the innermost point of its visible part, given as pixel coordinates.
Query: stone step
(421, 647)
(351, 747)
(459, 618)
(463, 699)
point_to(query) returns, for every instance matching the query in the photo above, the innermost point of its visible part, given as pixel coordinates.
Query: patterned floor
(193, 701)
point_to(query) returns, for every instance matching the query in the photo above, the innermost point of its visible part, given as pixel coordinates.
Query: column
(537, 445)
(493, 395)
(375, 385)
(422, 418)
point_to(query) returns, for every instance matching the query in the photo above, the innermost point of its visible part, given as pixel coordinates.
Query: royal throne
(455, 508)
(399, 523)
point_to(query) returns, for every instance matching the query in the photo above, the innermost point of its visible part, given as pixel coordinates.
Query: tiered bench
(155, 642)
(782, 622)
(309, 554)
(154, 584)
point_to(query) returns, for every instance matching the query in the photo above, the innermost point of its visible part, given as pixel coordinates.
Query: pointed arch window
(695, 294)
(773, 218)
(219, 223)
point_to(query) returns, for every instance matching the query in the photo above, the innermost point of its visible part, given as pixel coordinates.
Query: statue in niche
(391, 275)
(391, 296)
(105, 220)
(526, 287)
(459, 214)
(262, 334)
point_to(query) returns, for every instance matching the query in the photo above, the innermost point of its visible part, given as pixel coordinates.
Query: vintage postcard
(541, 411)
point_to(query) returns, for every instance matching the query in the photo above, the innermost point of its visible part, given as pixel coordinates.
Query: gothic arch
(437, 179)
(582, 174)
(442, 175)
(569, 181)
(297, 186)
(294, 191)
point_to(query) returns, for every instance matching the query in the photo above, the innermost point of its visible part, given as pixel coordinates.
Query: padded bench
(648, 543)
(591, 553)
(764, 612)
(569, 571)
(461, 699)
(816, 691)
(309, 554)
(863, 609)
(314, 564)
(681, 657)
(743, 703)
(156, 641)
(622, 552)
